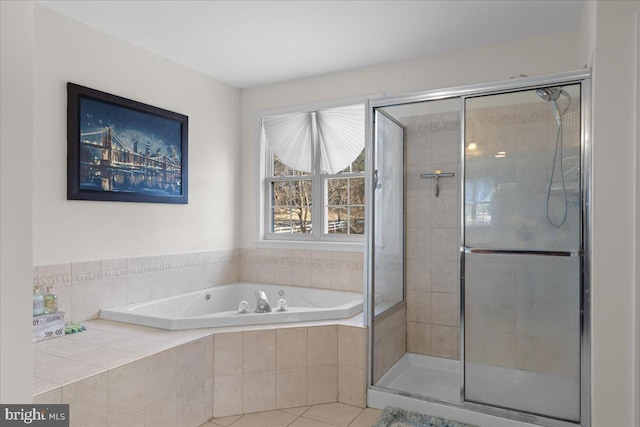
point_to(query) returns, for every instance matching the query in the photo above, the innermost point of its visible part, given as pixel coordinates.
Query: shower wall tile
(444, 244)
(419, 338)
(444, 309)
(390, 338)
(419, 274)
(444, 341)
(419, 306)
(432, 236)
(418, 243)
(444, 277)
(444, 212)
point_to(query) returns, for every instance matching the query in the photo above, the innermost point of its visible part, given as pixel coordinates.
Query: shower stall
(478, 252)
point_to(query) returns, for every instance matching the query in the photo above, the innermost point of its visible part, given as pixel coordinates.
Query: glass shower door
(522, 254)
(387, 245)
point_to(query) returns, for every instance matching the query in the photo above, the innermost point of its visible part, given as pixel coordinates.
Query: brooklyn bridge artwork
(125, 153)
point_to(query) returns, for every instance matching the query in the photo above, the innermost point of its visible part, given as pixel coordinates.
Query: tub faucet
(262, 304)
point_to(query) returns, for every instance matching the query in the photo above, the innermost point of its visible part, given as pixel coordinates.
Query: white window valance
(338, 131)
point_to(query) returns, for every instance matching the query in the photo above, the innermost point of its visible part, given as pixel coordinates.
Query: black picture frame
(122, 150)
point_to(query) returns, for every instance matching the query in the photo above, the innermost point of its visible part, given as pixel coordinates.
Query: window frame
(318, 238)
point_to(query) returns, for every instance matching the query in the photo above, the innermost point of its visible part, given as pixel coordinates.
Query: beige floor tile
(224, 421)
(308, 422)
(296, 411)
(337, 414)
(265, 419)
(366, 418)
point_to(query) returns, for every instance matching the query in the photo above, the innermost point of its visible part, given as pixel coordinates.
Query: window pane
(356, 220)
(301, 220)
(281, 193)
(338, 220)
(301, 193)
(281, 220)
(337, 191)
(356, 191)
(291, 206)
(281, 169)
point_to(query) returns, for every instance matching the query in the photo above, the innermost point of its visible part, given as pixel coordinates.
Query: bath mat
(396, 417)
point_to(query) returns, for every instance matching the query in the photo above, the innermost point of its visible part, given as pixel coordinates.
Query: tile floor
(326, 415)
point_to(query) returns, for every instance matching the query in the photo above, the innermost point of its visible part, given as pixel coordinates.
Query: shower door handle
(486, 251)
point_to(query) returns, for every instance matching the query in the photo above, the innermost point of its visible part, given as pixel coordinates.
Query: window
(314, 174)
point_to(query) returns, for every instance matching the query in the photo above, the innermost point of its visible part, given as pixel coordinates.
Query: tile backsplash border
(83, 288)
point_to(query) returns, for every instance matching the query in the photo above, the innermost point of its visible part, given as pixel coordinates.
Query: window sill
(311, 245)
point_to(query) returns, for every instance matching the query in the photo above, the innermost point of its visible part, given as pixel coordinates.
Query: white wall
(65, 231)
(16, 138)
(612, 45)
(539, 55)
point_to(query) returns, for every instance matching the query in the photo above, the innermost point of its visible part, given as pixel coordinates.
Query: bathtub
(218, 306)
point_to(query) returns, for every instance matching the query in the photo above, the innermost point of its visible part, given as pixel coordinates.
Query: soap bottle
(50, 301)
(38, 301)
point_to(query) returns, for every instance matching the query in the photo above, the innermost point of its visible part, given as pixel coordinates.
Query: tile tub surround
(83, 288)
(121, 374)
(343, 271)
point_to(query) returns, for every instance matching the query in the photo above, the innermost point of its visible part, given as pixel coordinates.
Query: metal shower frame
(582, 77)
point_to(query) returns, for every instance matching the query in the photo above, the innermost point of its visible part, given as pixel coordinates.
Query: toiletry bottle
(38, 301)
(50, 301)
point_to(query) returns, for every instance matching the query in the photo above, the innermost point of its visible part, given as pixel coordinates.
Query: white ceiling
(252, 43)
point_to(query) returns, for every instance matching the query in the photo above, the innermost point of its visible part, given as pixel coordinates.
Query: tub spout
(262, 304)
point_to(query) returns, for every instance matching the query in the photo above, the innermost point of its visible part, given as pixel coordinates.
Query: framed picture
(123, 150)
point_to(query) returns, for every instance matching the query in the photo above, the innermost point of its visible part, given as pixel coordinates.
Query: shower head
(549, 94)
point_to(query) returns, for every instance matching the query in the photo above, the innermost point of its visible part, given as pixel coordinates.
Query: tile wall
(432, 235)
(221, 374)
(342, 271)
(390, 339)
(83, 288)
